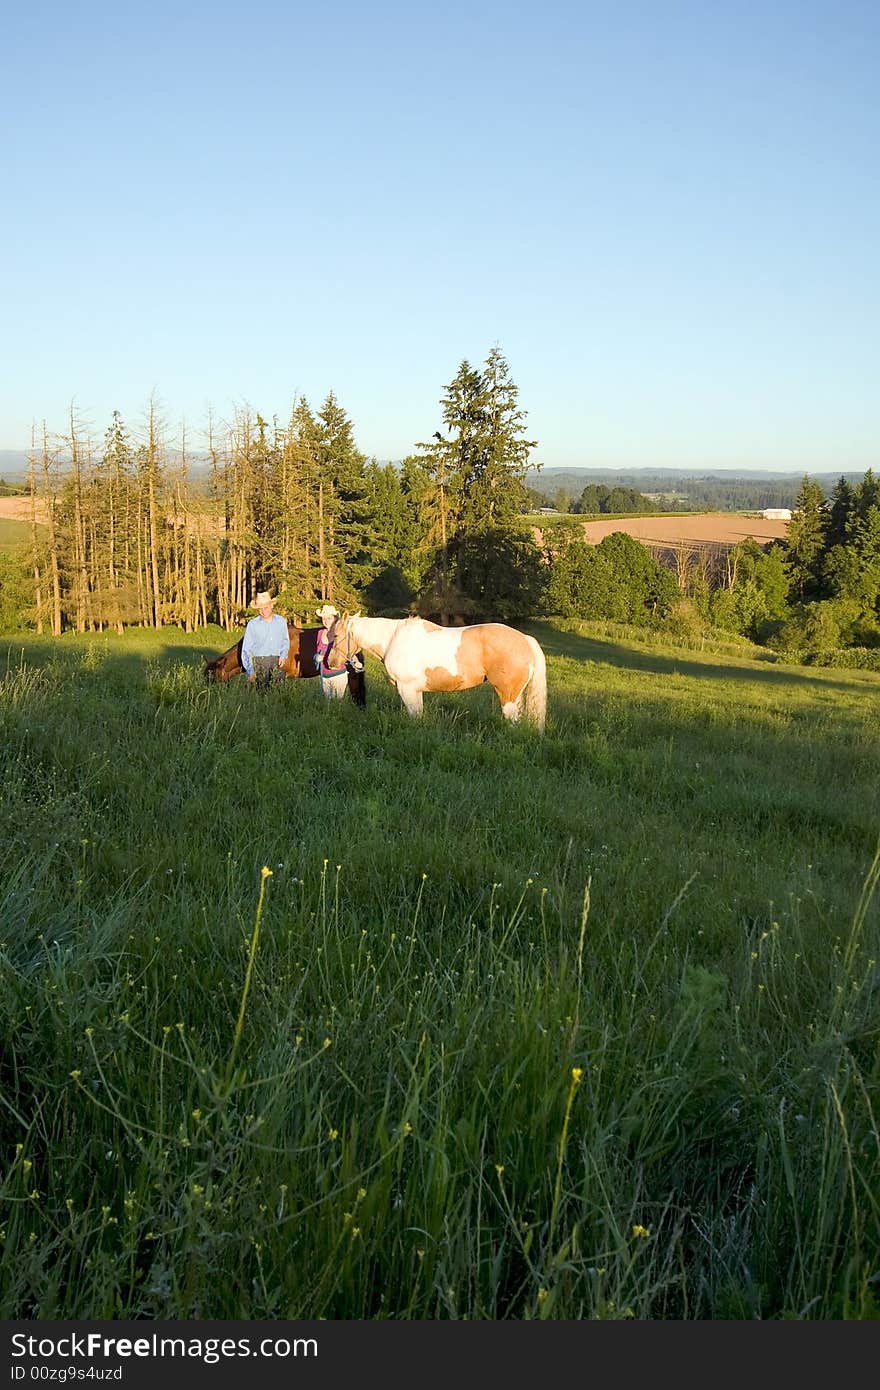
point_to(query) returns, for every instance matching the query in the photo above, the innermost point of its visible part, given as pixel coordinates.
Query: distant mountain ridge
(14, 469)
(636, 477)
(14, 465)
(694, 489)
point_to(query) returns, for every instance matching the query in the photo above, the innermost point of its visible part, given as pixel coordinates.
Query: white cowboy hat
(327, 610)
(263, 597)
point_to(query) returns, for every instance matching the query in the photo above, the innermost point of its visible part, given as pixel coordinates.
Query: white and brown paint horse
(421, 656)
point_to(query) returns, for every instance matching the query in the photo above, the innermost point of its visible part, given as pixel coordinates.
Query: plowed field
(19, 508)
(701, 529)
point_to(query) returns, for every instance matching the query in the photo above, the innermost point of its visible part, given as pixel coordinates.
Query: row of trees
(816, 591)
(127, 533)
(596, 500)
(673, 491)
(133, 532)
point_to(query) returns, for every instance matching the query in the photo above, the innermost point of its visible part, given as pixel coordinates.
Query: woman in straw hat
(328, 614)
(334, 680)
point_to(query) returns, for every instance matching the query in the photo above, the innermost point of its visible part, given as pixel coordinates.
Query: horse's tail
(536, 689)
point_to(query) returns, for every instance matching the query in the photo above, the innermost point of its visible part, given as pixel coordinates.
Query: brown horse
(300, 662)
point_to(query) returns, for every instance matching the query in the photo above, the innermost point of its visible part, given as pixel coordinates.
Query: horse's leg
(511, 709)
(357, 688)
(412, 699)
(511, 698)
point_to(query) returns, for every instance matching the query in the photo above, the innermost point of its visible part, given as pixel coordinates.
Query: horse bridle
(347, 664)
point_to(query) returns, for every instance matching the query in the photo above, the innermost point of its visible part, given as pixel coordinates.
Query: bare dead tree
(35, 548)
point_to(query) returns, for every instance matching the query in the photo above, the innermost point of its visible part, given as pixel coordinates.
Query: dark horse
(300, 662)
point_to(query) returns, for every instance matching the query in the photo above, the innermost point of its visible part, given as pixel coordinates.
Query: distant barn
(776, 514)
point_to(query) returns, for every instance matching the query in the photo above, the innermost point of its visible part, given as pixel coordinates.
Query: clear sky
(665, 212)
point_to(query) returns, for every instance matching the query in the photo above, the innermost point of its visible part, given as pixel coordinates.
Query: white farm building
(776, 514)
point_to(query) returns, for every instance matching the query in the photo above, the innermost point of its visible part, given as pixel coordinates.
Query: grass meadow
(14, 534)
(314, 1012)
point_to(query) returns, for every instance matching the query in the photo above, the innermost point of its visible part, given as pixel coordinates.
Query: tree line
(598, 500)
(818, 591)
(125, 533)
(814, 594)
(129, 532)
(670, 491)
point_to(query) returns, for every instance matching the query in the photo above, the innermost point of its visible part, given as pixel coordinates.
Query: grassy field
(14, 534)
(313, 1012)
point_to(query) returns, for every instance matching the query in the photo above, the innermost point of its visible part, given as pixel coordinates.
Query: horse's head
(223, 666)
(344, 639)
(342, 629)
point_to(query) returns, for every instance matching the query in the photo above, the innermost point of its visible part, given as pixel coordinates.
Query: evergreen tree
(806, 539)
(114, 476)
(476, 470)
(867, 493)
(452, 462)
(500, 574)
(381, 547)
(842, 503)
(498, 492)
(303, 572)
(341, 492)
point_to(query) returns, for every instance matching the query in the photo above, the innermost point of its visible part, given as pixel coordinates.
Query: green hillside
(581, 1026)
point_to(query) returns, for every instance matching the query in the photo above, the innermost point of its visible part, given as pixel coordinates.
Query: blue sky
(666, 214)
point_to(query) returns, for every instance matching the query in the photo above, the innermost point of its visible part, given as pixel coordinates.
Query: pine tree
(842, 504)
(114, 479)
(220, 497)
(478, 467)
(301, 564)
(380, 566)
(341, 491)
(501, 488)
(806, 539)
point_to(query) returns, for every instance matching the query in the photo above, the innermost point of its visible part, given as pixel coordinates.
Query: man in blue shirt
(265, 643)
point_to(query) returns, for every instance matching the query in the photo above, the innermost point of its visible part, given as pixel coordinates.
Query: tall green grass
(315, 1012)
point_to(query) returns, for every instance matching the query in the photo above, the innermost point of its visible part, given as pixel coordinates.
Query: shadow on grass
(141, 648)
(78, 649)
(627, 657)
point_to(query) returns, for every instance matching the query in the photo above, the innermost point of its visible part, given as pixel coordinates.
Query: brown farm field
(669, 532)
(19, 509)
(700, 529)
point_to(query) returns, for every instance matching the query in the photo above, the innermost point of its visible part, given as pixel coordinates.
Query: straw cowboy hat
(263, 597)
(327, 610)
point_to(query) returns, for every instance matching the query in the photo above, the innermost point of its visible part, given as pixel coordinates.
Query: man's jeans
(266, 669)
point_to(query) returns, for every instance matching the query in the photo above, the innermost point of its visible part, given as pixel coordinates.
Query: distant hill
(665, 477)
(13, 465)
(700, 489)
